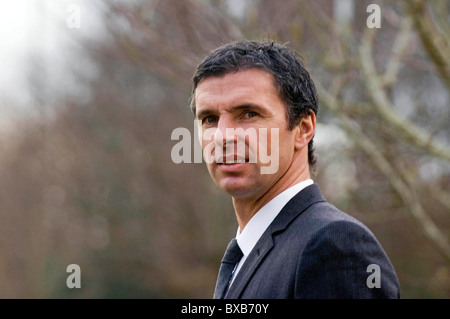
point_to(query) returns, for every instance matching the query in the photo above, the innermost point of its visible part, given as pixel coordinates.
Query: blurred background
(90, 92)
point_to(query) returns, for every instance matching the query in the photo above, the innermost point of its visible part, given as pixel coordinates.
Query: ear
(305, 130)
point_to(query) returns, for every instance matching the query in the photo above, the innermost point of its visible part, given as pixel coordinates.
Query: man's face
(246, 101)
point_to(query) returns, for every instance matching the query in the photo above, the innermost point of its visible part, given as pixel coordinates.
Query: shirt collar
(258, 224)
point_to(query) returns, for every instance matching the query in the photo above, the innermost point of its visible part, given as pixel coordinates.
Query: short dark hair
(293, 82)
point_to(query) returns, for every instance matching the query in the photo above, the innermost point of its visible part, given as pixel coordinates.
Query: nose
(225, 132)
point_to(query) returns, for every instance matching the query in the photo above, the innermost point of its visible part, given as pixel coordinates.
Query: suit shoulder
(324, 225)
(324, 218)
(336, 255)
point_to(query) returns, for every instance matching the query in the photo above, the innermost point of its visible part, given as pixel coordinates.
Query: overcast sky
(39, 34)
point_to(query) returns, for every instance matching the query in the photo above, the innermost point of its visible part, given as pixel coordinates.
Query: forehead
(232, 88)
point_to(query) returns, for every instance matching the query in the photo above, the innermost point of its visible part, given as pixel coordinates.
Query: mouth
(232, 164)
(233, 160)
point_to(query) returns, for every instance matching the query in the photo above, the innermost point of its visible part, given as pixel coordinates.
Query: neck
(246, 208)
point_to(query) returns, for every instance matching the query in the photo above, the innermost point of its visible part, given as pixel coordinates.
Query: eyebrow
(246, 106)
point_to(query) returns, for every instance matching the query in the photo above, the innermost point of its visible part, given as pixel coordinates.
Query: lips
(231, 163)
(231, 160)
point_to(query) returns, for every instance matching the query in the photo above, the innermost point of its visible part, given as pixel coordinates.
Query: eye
(209, 120)
(250, 114)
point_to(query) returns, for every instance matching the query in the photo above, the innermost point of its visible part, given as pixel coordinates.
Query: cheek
(286, 147)
(207, 150)
(270, 142)
(207, 143)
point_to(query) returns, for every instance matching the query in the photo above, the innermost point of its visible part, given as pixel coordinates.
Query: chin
(237, 189)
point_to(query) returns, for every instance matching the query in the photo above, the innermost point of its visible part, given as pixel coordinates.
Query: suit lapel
(297, 205)
(250, 265)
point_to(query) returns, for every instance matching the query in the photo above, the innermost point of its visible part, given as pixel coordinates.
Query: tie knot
(233, 253)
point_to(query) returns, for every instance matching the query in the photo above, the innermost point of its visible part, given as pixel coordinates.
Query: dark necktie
(232, 256)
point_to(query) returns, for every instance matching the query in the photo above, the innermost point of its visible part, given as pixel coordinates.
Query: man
(290, 243)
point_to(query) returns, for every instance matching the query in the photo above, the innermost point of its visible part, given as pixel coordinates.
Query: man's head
(256, 86)
(292, 80)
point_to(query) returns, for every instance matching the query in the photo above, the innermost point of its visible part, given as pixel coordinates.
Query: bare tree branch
(409, 198)
(398, 50)
(434, 42)
(374, 86)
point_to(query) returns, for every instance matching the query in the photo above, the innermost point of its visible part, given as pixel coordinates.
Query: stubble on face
(244, 100)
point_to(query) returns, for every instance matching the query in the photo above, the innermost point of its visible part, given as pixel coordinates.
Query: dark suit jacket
(313, 250)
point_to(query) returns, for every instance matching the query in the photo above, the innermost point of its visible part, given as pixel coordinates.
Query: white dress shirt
(258, 224)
